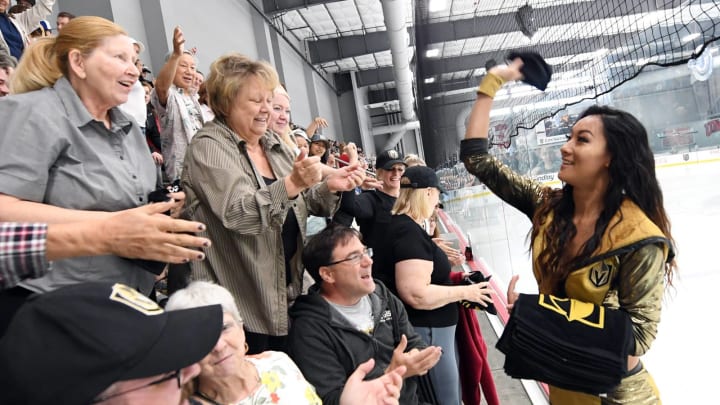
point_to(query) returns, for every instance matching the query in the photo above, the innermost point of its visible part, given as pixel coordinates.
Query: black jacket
(327, 348)
(371, 210)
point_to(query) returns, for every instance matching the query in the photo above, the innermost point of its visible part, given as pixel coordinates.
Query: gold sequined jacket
(627, 269)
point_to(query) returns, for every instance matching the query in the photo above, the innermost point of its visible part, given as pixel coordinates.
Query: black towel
(567, 343)
(536, 71)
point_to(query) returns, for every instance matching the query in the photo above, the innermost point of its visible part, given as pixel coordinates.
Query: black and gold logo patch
(600, 274)
(574, 310)
(133, 299)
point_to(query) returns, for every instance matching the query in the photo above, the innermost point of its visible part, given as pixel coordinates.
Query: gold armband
(490, 84)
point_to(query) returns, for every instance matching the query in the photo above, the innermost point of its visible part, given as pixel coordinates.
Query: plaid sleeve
(22, 252)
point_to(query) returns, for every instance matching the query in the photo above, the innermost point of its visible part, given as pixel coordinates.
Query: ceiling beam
(374, 76)
(330, 49)
(326, 50)
(467, 62)
(278, 6)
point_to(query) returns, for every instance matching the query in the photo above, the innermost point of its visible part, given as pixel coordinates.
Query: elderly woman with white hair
(229, 376)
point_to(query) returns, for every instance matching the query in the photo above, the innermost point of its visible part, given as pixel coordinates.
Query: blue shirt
(12, 36)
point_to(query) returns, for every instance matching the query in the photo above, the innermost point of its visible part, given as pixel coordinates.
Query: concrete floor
(510, 391)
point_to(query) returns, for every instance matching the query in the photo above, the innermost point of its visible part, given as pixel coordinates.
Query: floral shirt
(281, 382)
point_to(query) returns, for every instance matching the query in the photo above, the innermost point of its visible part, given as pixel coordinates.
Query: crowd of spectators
(183, 191)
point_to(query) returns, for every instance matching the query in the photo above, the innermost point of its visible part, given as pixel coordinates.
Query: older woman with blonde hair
(70, 155)
(254, 194)
(229, 375)
(418, 271)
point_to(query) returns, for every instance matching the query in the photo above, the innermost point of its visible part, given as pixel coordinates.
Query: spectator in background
(7, 66)
(280, 116)
(412, 159)
(178, 108)
(152, 127)
(204, 107)
(371, 209)
(135, 107)
(43, 30)
(302, 141)
(15, 31)
(63, 18)
(320, 146)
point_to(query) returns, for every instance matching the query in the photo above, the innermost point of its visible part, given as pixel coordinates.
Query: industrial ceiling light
(526, 20)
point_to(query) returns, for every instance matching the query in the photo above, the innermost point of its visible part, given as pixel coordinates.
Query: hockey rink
(683, 357)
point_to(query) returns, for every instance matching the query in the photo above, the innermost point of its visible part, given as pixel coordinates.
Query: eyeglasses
(354, 258)
(174, 375)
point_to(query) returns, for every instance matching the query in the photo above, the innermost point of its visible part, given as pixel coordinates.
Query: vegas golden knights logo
(600, 274)
(574, 310)
(132, 298)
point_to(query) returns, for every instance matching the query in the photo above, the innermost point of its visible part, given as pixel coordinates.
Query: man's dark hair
(318, 251)
(66, 15)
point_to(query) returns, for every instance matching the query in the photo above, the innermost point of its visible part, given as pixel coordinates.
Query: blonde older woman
(70, 155)
(229, 375)
(418, 272)
(254, 194)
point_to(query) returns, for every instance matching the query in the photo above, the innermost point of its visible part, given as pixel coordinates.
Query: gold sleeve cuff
(490, 84)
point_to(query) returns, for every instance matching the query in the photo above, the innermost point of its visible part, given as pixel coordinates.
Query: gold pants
(635, 389)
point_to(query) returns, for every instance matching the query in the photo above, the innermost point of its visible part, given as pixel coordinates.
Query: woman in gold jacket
(603, 238)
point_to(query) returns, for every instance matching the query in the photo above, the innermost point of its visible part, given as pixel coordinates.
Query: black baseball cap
(388, 159)
(535, 70)
(69, 345)
(420, 177)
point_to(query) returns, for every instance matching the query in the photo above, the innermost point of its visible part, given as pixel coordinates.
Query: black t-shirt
(404, 240)
(371, 210)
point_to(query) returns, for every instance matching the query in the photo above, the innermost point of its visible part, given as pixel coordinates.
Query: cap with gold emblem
(388, 158)
(67, 346)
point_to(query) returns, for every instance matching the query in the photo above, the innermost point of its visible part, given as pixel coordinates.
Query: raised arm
(167, 74)
(479, 122)
(518, 191)
(316, 124)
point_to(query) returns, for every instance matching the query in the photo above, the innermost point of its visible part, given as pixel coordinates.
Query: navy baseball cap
(420, 177)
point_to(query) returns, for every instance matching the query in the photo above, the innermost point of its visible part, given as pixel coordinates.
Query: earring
(247, 348)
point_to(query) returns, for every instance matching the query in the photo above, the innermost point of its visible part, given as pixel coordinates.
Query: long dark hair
(632, 175)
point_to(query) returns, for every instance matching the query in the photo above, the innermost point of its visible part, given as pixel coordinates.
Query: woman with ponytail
(603, 238)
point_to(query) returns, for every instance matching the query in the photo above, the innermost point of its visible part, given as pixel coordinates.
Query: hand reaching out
(346, 178)
(417, 362)
(320, 122)
(455, 257)
(512, 296)
(306, 172)
(146, 233)
(384, 390)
